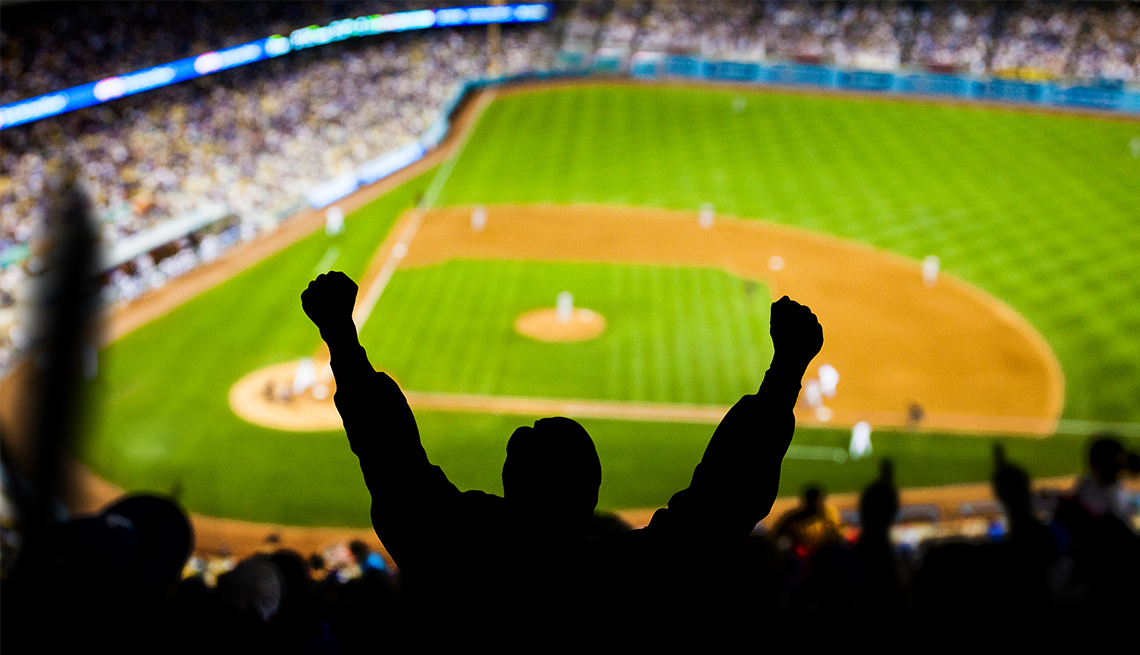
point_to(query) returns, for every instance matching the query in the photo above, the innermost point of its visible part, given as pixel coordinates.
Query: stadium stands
(250, 139)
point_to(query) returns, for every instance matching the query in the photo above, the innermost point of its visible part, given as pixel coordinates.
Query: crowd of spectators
(1109, 45)
(721, 28)
(952, 37)
(619, 27)
(581, 24)
(858, 35)
(251, 139)
(1035, 40)
(1076, 552)
(1038, 40)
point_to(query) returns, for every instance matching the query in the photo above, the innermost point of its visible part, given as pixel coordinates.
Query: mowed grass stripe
(727, 323)
(660, 343)
(708, 347)
(637, 339)
(618, 361)
(508, 284)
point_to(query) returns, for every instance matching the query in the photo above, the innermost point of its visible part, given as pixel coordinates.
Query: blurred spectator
(1025, 558)
(1109, 49)
(1099, 492)
(367, 559)
(810, 526)
(90, 574)
(879, 582)
(953, 37)
(1104, 547)
(1036, 41)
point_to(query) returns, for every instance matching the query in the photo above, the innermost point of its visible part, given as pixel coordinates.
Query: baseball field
(1029, 334)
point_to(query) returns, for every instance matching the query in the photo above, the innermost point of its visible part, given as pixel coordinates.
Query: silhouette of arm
(735, 484)
(407, 491)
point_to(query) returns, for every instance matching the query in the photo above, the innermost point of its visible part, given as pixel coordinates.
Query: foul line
(328, 260)
(1077, 426)
(400, 247)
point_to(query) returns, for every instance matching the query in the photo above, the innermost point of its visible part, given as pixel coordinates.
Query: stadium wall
(657, 65)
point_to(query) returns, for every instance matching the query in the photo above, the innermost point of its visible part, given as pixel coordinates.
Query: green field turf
(1041, 211)
(673, 334)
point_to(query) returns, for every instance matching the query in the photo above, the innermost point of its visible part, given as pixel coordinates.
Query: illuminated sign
(32, 110)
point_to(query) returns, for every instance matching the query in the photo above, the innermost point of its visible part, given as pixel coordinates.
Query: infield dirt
(970, 362)
(547, 325)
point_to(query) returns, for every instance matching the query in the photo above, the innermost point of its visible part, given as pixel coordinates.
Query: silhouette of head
(359, 550)
(1105, 458)
(813, 496)
(1011, 484)
(879, 503)
(553, 468)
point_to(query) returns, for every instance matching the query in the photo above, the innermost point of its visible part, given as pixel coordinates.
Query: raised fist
(329, 300)
(796, 333)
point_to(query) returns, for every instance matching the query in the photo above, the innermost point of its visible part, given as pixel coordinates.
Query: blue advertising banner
(1105, 96)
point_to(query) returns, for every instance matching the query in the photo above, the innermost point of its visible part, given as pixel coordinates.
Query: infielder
(334, 221)
(705, 217)
(478, 218)
(828, 378)
(860, 440)
(930, 267)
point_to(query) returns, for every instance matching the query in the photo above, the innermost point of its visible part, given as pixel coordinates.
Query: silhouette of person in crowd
(89, 574)
(1029, 551)
(1105, 549)
(811, 525)
(1099, 492)
(879, 585)
(523, 559)
(816, 554)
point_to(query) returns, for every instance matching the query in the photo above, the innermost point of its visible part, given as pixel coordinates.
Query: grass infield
(673, 334)
(1038, 210)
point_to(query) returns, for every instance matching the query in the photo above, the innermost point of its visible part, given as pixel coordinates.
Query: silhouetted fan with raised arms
(511, 565)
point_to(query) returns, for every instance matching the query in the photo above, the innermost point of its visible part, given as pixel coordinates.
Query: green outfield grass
(1039, 210)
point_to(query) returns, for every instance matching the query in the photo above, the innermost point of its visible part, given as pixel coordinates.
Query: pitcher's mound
(544, 325)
